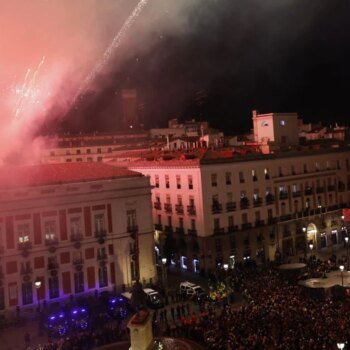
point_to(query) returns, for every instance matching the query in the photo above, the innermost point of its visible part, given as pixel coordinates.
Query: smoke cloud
(48, 47)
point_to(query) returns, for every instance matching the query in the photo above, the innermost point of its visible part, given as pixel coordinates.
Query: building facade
(221, 210)
(69, 229)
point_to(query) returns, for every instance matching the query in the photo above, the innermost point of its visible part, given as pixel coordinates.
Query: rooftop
(51, 174)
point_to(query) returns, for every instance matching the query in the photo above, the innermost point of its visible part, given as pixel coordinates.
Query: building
(130, 118)
(218, 207)
(72, 229)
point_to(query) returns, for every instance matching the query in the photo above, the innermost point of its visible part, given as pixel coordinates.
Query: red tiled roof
(50, 174)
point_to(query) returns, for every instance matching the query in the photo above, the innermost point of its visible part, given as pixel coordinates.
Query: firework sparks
(29, 91)
(117, 40)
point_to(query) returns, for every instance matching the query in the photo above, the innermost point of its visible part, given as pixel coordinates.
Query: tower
(129, 110)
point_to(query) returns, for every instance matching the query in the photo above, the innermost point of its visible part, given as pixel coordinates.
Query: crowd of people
(274, 314)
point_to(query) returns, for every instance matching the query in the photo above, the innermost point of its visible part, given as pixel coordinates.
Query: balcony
(49, 242)
(218, 231)
(341, 186)
(101, 235)
(285, 217)
(168, 207)
(308, 191)
(231, 206)
(216, 208)
(257, 202)
(246, 226)
(233, 228)
(191, 210)
(52, 266)
(24, 245)
(259, 223)
(283, 195)
(296, 194)
(192, 232)
(157, 205)
(76, 237)
(330, 188)
(319, 189)
(78, 261)
(158, 227)
(271, 221)
(244, 203)
(270, 199)
(180, 230)
(179, 208)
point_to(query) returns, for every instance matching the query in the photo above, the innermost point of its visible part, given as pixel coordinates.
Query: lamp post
(164, 278)
(304, 231)
(37, 285)
(226, 282)
(341, 268)
(347, 252)
(311, 247)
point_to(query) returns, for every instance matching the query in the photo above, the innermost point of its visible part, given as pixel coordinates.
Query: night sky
(233, 57)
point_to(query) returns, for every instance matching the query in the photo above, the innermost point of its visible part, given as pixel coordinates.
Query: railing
(257, 202)
(218, 231)
(232, 228)
(168, 207)
(286, 217)
(259, 223)
(231, 206)
(216, 208)
(78, 261)
(246, 226)
(52, 266)
(179, 208)
(157, 205)
(132, 229)
(51, 241)
(102, 256)
(168, 228)
(192, 232)
(308, 192)
(26, 270)
(330, 188)
(319, 189)
(283, 195)
(76, 237)
(271, 221)
(296, 194)
(158, 227)
(180, 230)
(24, 245)
(191, 210)
(270, 199)
(244, 203)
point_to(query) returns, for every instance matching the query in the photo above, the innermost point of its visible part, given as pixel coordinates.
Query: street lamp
(226, 283)
(164, 278)
(340, 346)
(37, 285)
(347, 251)
(341, 268)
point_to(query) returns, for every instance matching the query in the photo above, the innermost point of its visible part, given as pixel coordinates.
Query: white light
(341, 268)
(164, 261)
(37, 284)
(346, 239)
(340, 345)
(311, 246)
(225, 267)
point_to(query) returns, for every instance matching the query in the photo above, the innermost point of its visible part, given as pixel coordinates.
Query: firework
(111, 48)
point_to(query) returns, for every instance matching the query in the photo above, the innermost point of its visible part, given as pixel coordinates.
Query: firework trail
(111, 48)
(28, 92)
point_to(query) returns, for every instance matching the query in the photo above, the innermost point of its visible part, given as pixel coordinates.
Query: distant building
(71, 227)
(130, 118)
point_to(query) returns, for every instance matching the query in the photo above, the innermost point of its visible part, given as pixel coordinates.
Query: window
(230, 221)
(181, 223)
(2, 298)
(78, 281)
(338, 165)
(99, 220)
(228, 178)
(191, 201)
(244, 218)
(178, 182)
(229, 197)
(78, 151)
(214, 180)
(50, 230)
(190, 182)
(264, 123)
(167, 181)
(254, 176)
(216, 223)
(241, 177)
(131, 219)
(23, 233)
(88, 151)
(280, 171)
(102, 276)
(159, 217)
(179, 200)
(305, 168)
(169, 218)
(54, 291)
(257, 216)
(218, 245)
(317, 166)
(193, 224)
(99, 150)
(266, 172)
(75, 225)
(293, 170)
(27, 293)
(156, 180)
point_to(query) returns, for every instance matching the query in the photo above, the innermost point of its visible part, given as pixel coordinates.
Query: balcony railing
(244, 203)
(246, 226)
(49, 242)
(76, 237)
(270, 199)
(24, 245)
(157, 205)
(168, 228)
(78, 261)
(259, 223)
(257, 202)
(168, 207)
(330, 188)
(52, 266)
(216, 208)
(308, 191)
(192, 232)
(179, 208)
(283, 195)
(296, 194)
(319, 189)
(285, 217)
(341, 186)
(191, 210)
(218, 231)
(231, 206)
(102, 256)
(232, 228)
(271, 221)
